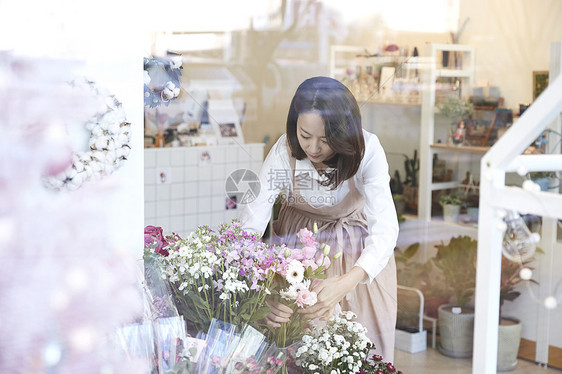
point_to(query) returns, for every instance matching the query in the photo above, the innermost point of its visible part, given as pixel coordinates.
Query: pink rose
(307, 237)
(154, 231)
(305, 297)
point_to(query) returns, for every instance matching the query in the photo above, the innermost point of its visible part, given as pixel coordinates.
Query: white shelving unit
(434, 69)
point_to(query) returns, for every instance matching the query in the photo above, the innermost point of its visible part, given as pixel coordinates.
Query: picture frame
(540, 82)
(225, 121)
(386, 78)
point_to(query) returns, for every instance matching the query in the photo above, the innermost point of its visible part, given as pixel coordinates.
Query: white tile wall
(193, 192)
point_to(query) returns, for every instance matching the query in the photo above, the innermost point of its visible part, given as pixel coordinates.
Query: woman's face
(311, 135)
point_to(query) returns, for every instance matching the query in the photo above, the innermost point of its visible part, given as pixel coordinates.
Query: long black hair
(342, 122)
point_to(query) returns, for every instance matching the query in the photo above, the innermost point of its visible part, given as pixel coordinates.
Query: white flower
(295, 272)
(176, 62)
(289, 293)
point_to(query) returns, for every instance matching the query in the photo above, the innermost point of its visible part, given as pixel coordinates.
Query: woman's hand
(331, 291)
(280, 313)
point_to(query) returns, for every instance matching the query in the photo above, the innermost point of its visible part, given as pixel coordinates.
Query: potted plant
(509, 330)
(410, 185)
(423, 276)
(457, 261)
(451, 204)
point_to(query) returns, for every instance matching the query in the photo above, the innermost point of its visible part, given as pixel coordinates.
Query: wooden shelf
(453, 73)
(467, 149)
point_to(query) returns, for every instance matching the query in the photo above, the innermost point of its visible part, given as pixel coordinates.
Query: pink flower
(309, 252)
(305, 297)
(282, 269)
(310, 263)
(297, 254)
(307, 237)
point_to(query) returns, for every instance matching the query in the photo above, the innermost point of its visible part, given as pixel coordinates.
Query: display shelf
(463, 57)
(454, 148)
(452, 73)
(380, 102)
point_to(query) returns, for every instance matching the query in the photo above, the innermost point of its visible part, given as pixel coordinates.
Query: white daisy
(295, 272)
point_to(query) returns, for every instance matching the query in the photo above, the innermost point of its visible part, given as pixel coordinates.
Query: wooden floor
(431, 361)
(527, 351)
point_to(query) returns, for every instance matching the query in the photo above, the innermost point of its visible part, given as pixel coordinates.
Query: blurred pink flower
(310, 263)
(297, 254)
(309, 252)
(305, 297)
(307, 237)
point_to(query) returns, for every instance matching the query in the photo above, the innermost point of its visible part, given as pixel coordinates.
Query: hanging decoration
(108, 145)
(161, 80)
(519, 243)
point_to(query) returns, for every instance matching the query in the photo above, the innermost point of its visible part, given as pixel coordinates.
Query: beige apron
(344, 227)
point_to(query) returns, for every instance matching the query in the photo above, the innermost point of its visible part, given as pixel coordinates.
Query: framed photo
(540, 82)
(225, 121)
(387, 77)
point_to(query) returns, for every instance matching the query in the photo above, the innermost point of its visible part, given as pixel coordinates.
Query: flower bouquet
(296, 270)
(340, 346)
(222, 274)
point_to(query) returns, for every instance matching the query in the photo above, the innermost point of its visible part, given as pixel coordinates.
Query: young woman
(335, 174)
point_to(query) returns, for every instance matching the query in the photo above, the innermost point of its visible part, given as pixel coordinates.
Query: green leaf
(261, 313)
(197, 300)
(411, 251)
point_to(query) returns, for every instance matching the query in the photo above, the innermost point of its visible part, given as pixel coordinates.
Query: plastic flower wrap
(297, 269)
(223, 274)
(231, 350)
(340, 346)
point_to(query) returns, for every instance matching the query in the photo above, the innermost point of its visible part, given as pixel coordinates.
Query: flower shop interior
(464, 96)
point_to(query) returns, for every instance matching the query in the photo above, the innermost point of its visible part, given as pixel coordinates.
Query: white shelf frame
(427, 133)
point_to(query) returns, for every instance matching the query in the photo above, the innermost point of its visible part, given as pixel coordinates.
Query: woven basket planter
(456, 331)
(509, 337)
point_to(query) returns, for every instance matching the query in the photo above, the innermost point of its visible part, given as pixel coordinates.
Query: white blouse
(372, 180)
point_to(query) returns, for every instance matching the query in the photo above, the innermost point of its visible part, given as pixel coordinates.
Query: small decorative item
(451, 207)
(459, 134)
(457, 109)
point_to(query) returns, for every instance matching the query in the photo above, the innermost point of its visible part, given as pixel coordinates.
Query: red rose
(154, 231)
